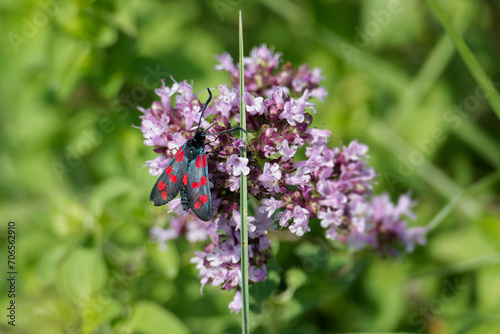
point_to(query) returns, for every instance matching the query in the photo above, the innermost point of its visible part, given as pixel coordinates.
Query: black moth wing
(171, 179)
(198, 187)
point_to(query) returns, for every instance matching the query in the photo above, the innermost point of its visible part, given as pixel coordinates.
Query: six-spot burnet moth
(188, 172)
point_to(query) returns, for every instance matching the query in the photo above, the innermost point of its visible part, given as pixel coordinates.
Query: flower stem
(243, 198)
(468, 57)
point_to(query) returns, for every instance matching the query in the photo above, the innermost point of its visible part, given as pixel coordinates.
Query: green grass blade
(243, 199)
(429, 73)
(467, 56)
(467, 266)
(482, 143)
(394, 78)
(481, 184)
(438, 180)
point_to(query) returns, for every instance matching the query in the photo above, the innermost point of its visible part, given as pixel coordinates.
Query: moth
(187, 172)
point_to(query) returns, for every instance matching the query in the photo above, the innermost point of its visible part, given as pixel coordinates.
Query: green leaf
(456, 246)
(295, 278)
(50, 313)
(70, 59)
(151, 318)
(99, 311)
(263, 290)
(490, 226)
(82, 273)
(488, 288)
(50, 261)
(107, 191)
(70, 219)
(293, 308)
(386, 291)
(167, 261)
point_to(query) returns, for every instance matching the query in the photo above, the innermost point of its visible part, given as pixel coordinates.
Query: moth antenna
(209, 127)
(205, 107)
(225, 131)
(221, 133)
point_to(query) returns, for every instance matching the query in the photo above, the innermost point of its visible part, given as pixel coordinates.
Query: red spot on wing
(198, 162)
(195, 185)
(168, 170)
(197, 205)
(203, 180)
(179, 156)
(173, 178)
(204, 198)
(178, 153)
(204, 160)
(164, 195)
(161, 185)
(185, 179)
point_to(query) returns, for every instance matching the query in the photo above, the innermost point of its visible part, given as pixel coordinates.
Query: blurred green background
(71, 76)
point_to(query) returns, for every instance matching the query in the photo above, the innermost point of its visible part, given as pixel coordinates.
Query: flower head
(332, 185)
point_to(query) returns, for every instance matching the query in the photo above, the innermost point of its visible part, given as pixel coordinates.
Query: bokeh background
(71, 76)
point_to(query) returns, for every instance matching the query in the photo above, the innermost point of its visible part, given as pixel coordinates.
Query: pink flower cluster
(332, 186)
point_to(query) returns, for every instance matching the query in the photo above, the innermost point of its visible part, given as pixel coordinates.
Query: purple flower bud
(302, 127)
(236, 304)
(287, 167)
(226, 64)
(286, 198)
(313, 208)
